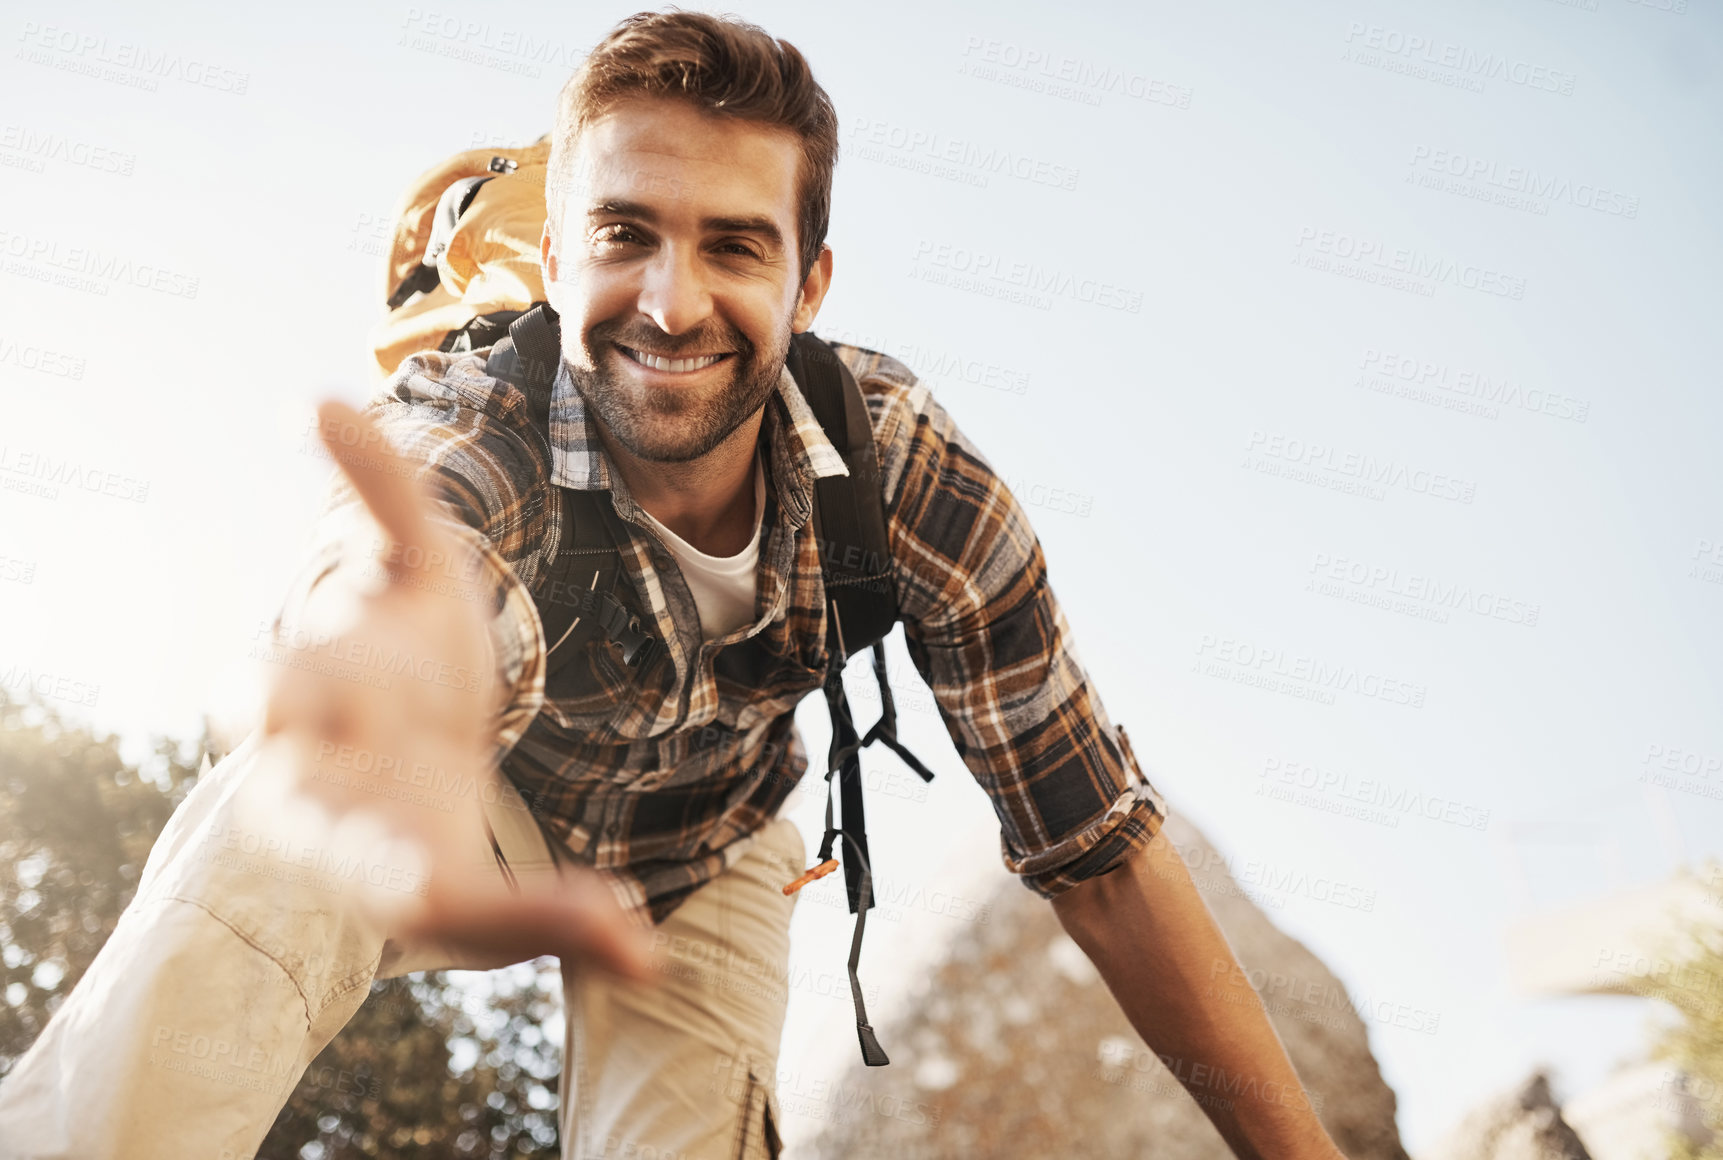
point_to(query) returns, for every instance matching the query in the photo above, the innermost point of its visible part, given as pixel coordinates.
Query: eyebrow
(623, 207)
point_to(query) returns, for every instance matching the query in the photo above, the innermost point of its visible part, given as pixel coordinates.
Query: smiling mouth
(675, 366)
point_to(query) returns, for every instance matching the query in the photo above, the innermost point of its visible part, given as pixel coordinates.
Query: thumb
(386, 482)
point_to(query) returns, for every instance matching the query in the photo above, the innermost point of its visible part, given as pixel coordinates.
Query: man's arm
(1151, 936)
(390, 683)
(985, 631)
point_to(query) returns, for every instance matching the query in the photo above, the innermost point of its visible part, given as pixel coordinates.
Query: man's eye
(741, 249)
(617, 234)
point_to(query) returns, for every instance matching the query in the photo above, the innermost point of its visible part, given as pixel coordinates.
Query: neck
(708, 501)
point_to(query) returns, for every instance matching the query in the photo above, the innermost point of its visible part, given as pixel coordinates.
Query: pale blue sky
(1187, 458)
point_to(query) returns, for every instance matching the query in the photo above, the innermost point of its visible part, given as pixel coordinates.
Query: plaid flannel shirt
(660, 777)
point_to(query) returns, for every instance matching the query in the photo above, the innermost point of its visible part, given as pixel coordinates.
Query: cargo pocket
(757, 1130)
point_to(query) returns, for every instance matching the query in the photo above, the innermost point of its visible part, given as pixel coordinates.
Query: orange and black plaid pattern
(657, 776)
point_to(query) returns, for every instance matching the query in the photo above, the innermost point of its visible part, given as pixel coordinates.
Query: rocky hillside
(1015, 1050)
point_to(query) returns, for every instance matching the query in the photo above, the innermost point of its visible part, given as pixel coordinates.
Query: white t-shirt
(723, 586)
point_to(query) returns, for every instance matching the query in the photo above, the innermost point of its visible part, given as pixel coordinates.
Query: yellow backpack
(465, 247)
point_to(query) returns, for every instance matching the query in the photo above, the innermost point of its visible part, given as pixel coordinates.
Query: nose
(673, 291)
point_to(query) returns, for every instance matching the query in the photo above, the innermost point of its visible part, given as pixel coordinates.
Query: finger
(386, 483)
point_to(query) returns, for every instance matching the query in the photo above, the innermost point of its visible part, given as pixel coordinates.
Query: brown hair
(721, 65)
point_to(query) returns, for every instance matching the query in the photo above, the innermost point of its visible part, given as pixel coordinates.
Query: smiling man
(688, 195)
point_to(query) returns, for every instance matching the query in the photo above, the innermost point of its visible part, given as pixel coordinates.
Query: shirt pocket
(596, 695)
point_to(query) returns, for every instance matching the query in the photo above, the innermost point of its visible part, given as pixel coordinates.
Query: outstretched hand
(385, 717)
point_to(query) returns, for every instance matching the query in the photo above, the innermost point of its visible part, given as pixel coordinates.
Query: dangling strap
(885, 729)
(844, 760)
(873, 1055)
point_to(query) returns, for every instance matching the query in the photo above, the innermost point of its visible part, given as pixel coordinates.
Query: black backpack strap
(861, 597)
(576, 598)
(849, 511)
(485, 330)
(529, 358)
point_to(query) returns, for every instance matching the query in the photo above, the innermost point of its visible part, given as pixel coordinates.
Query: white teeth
(674, 365)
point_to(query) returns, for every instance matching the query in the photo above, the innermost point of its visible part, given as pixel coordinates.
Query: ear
(547, 260)
(813, 291)
(547, 254)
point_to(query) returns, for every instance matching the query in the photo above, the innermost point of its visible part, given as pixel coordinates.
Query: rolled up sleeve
(987, 634)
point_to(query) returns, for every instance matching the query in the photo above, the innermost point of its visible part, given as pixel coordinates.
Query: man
(687, 210)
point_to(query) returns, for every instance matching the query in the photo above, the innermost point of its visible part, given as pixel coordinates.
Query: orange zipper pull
(813, 875)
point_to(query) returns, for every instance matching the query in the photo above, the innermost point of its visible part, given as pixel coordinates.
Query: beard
(674, 424)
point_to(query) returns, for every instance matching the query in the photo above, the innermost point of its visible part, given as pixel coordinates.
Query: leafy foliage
(1694, 1045)
(439, 1063)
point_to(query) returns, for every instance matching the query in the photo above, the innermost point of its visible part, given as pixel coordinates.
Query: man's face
(675, 273)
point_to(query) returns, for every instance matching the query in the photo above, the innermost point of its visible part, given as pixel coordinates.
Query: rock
(1525, 1124)
(1016, 1049)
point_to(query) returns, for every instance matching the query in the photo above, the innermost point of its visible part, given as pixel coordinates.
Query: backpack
(463, 275)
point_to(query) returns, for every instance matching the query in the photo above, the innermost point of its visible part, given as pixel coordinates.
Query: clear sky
(1356, 348)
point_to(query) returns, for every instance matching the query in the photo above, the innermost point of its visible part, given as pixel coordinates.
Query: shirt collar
(799, 451)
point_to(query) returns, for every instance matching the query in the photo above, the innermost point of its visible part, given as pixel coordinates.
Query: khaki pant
(242, 956)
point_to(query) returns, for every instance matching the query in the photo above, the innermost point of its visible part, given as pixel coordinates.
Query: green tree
(439, 1063)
